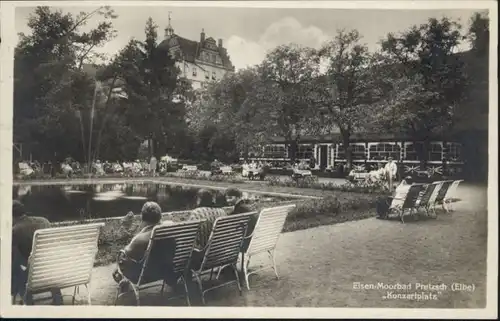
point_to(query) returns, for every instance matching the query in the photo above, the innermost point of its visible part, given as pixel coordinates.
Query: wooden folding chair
(265, 238)
(182, 236)
(400, 205)
(62, 257)
(423, 200)
(441, 195)
(222, 249)
(449, 197)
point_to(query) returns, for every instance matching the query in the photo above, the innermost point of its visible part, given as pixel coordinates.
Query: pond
(75, 202)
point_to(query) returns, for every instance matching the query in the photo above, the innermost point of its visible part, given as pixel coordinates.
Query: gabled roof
(190, 50)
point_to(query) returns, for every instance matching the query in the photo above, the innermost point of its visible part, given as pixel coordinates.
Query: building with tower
(200, 61)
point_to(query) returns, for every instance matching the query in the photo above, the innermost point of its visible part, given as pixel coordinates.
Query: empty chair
(265, 238)
(450, 195)
(441, 195)
(423, 201)
(222, 249)
(62, 257)
(168, 244)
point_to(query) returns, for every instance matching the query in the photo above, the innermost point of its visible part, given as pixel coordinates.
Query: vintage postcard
(218, 159)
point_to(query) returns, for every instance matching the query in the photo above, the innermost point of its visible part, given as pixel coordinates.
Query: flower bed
(361, 187)
(235, 179)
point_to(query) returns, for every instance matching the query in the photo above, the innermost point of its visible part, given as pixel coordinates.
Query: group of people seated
(131, 257)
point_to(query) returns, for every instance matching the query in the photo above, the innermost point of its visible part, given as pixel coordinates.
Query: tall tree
(284, 94)
(427, 80)
(50, 86)
(479, 32)
(150, 81)
(346, 90)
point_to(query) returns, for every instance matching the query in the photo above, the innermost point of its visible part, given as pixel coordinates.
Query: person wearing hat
(23, 231)
(130, 260)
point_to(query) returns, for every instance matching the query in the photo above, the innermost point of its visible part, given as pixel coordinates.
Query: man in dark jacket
(23, 230)
(130, 261)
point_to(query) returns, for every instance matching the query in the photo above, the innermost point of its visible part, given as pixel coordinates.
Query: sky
(248, 33)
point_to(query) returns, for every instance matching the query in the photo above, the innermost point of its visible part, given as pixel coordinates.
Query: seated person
(23, 230)
(247, 206)
(205, 211)
(384, 203)
(130, 261)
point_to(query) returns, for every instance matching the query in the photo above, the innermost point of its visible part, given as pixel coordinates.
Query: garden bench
(62, 257)
(449, 197)
(400, 205)
(184, 236)
(265, 238)
(222, 249)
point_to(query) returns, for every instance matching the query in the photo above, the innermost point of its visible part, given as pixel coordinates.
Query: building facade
(445, 156)
(202, 61)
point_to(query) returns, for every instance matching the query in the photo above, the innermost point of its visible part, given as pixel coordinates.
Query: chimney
(202, 35)
(220, 43)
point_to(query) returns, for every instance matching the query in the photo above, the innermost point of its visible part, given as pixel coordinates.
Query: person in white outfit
(391, 170)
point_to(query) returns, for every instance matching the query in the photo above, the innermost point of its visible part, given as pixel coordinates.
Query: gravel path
(319, 266)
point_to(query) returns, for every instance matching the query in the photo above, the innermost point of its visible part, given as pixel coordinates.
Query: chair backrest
(396, 203)
(169, 244)
(412, 196)
(442, 192)
(268, 228)
(434, 194)
(224, 244)
(62, 257)
(453, 188)
(426, 196)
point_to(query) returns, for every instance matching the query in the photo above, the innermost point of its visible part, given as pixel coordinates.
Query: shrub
(362, 187)
(329, 210)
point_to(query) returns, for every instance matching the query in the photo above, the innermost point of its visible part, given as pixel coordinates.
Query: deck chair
(62, 257)
(408, 203)
(441, 195)
(265, 238)
(222, 249)
(423, 200)
(448, 198)
(182, 236)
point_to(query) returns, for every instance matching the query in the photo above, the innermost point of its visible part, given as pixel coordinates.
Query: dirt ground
(320, 267)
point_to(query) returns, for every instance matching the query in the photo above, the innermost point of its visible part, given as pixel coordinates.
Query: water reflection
(73, 202)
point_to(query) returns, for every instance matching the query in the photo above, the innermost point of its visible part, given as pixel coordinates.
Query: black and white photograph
(240, 155)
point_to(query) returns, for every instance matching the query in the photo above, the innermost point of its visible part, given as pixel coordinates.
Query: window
(207, 75)
(453, 152)
(305, 152)
(382, 151)
(277, 151)
(357, 152)
(411, 152)
(218, 60)
(194, 71)
(214, 76)
(435, 152)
